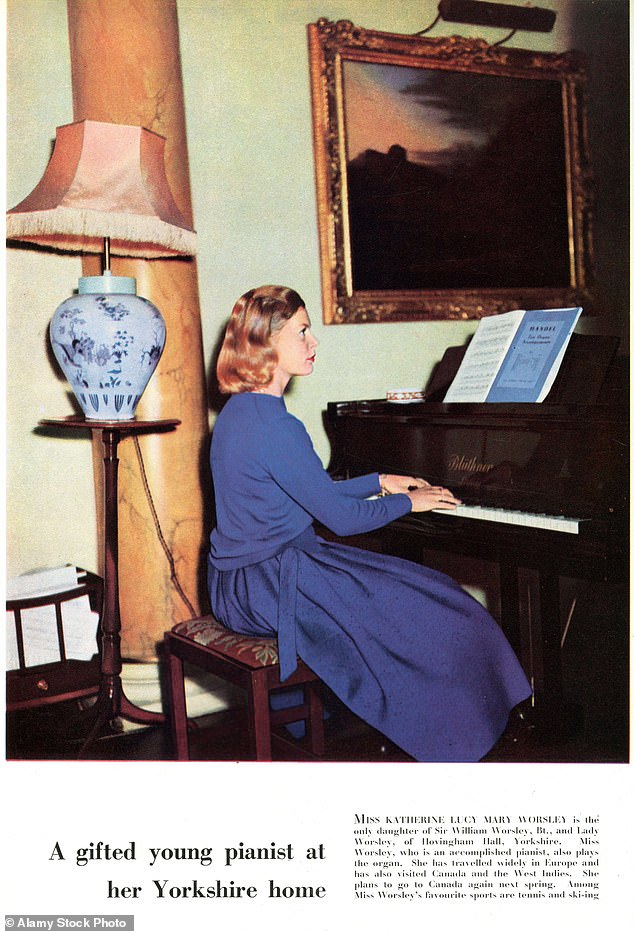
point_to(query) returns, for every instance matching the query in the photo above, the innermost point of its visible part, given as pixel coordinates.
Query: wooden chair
(252, 664)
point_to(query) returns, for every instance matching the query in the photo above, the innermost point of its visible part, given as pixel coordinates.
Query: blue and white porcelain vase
(108, 342)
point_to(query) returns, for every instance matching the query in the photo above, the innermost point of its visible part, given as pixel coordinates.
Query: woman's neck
(276, 387)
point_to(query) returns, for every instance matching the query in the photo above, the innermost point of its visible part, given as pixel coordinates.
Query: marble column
(125, 64)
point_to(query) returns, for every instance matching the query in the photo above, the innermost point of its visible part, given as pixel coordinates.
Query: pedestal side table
(112, 703)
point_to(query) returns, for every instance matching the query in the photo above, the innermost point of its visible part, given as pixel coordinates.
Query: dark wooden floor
(57, 732)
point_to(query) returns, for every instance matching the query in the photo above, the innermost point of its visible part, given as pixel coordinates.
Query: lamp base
(108, 344)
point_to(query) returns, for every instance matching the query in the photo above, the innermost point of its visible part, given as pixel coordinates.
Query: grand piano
(544, 487)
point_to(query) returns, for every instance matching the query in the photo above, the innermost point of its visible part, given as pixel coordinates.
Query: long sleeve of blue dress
(271, 485)
(341, 506)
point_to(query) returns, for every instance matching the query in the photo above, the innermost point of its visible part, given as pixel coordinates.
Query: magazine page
(106, 826)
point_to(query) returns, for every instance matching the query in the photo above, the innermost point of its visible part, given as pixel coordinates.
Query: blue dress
(403, 646)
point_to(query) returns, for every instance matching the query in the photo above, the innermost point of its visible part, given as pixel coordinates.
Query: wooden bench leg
(259, 718)
(315, 720)
(178, 705)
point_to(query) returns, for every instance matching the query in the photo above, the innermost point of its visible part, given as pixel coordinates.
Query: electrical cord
(157, 524)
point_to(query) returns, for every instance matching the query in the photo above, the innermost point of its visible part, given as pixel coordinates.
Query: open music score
(514, 357)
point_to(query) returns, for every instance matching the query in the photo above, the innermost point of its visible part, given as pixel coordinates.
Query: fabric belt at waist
(287, 604)
(288, 553)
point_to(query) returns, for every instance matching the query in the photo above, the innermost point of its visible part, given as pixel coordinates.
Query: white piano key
(554, 522)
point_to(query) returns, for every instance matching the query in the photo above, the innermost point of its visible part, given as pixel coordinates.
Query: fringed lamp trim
(84, 231)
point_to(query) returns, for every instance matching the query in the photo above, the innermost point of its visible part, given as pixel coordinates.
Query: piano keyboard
(519, 518)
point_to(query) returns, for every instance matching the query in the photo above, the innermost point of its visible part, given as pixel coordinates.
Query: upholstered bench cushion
(208, 632)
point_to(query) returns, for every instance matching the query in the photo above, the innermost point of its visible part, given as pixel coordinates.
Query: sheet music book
(514, 357)
(42, 582)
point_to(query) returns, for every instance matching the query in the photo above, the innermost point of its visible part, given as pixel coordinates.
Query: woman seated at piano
(403, 646)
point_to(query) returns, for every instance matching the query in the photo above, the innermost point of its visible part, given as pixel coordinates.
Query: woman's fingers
(432, 497)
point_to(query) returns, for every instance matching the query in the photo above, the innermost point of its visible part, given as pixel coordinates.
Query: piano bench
(251, 663)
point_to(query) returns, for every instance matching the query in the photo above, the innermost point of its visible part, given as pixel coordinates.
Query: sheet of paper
(39, 633)
(12, 659)
(483, 358)
(80, 628)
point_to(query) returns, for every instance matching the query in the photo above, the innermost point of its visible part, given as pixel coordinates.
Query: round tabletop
(122, 426)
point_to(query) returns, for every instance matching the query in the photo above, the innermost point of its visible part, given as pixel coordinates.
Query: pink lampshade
(104, 181)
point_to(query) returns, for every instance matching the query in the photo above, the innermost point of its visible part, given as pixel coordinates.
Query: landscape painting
(452, 178)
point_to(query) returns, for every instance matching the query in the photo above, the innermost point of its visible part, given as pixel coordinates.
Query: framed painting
(452, 176)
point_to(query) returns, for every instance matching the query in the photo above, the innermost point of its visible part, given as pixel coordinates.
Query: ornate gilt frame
(330, 44)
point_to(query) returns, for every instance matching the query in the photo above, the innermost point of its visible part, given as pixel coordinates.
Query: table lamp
(105, 190)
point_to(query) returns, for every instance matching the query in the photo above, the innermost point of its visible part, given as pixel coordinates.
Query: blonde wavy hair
(247, 358)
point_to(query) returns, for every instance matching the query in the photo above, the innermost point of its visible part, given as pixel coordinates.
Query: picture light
(501, 15)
